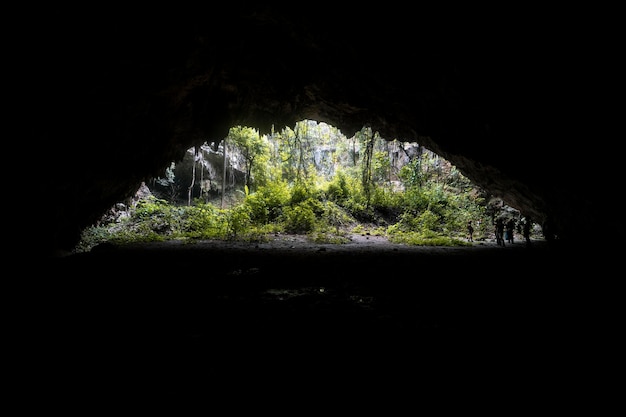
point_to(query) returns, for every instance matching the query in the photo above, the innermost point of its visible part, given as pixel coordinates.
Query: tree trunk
(224, 174)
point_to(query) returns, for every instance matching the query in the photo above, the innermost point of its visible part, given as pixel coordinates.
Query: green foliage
(346, 191)
(426, 239)
(204, 221)
(93, 236)
(411, 174)
(299, 218)
(306, 191)
(154, 215)
(428, 202)
(305, 211)
(386, 201)
(361, 229)
(335, 217)
(238, 219)
(341, 188)
(122, 233)
(254, 148)
(424, 222)
(266, 204)
(381, 167)
(415, 199)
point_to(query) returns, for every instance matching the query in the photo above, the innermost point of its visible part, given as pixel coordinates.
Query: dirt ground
(179, 317)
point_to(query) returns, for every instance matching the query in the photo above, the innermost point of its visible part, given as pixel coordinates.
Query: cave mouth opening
(310, 180)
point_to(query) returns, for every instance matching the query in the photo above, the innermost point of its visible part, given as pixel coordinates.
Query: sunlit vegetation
(311, 180)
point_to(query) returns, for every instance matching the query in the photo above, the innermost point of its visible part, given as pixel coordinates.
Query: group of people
(505, 231)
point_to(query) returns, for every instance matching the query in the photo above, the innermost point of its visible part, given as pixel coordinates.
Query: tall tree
(223, 172)
(366, 177)
(251, 146)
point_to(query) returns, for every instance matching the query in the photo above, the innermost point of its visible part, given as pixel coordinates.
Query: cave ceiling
(111, 100)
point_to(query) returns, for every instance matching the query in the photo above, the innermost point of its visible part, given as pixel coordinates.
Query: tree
(366, 177)
(252, 146)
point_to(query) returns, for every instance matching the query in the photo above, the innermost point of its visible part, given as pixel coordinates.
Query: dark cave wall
(109, 103)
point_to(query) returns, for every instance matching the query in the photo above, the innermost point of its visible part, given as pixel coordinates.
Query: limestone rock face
(109, 100)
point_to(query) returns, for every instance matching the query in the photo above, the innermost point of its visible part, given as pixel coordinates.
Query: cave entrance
(313, 180)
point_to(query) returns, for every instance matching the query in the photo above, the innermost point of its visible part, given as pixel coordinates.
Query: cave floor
(175, 312)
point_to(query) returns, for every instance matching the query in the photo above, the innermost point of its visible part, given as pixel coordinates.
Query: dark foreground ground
(209, 319)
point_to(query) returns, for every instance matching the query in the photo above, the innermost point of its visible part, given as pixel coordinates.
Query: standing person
(500, 231)
(470, 231)
(526, 231)
(510, 228)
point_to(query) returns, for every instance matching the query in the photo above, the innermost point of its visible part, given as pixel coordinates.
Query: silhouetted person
(500, 231)
(526, 231)
(470, 231)
(510, 229)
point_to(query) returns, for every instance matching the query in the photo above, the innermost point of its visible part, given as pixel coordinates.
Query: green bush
(425, 239)
(239, 220)
(342, 187)
(204, 221)
(266, 204)
(299, 219)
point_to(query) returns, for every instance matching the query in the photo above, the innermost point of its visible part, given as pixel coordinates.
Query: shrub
(299, 219)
